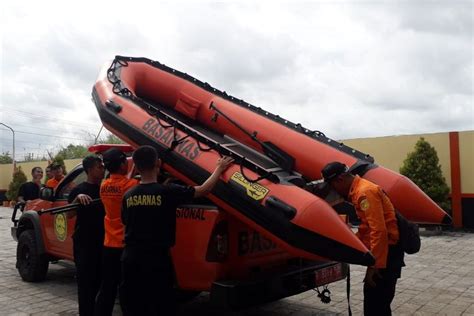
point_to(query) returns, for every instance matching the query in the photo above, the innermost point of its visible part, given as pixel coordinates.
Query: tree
(19, 178)
(5, 158)
(423, 168)
(110, 139)
(73, 152)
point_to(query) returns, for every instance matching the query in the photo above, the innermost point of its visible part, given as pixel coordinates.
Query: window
(66, 188)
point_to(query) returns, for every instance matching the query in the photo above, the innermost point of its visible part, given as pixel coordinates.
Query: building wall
(391, 151)
(456, 155)
(466, 153)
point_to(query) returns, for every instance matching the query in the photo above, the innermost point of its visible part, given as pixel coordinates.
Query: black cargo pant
(111, 277)
(87, 257)
(377, 299)
(147, 281)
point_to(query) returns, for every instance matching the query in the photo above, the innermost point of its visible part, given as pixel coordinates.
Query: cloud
(453, 18)
(350, 69)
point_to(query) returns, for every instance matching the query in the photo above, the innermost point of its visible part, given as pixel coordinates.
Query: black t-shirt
(149, 213)
(90, 219)
(29, 191)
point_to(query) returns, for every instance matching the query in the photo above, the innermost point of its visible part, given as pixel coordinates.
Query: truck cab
(214, 251)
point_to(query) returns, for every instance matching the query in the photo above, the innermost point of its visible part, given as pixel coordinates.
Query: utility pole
(13, 144)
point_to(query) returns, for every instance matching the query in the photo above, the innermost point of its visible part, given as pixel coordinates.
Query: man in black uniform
(30, 190)
(88, 235)
(149, 216)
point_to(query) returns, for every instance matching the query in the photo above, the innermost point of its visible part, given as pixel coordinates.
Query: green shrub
(19, 178)
(423, 168)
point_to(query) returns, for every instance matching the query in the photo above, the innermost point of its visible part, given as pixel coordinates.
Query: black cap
(333, 170)
(113, 156)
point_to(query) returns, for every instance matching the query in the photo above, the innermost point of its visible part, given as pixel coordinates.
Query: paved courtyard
(438, 280)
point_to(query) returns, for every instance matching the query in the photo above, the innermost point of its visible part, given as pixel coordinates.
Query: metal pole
(97, 137)
(13, 155)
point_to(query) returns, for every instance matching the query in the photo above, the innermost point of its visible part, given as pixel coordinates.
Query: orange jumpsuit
(53, 183)
(111, 193)
(378, 228)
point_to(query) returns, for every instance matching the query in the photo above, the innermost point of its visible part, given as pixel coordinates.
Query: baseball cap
(333, 170)
(113, 156)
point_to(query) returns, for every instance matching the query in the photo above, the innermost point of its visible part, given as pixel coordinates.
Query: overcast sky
(350, 69)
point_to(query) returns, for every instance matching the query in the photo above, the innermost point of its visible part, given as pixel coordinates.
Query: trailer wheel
(31, 265)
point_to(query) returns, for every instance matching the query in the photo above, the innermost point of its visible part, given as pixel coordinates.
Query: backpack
(409, 239)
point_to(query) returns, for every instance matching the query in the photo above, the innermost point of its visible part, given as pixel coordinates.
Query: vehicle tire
(31, 265)
(183, 296)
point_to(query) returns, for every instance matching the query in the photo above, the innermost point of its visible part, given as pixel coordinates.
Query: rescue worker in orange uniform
(111, 194)
(378, 231)
(57, 172)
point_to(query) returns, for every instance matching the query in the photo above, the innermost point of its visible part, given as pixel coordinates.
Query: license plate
(328, 274)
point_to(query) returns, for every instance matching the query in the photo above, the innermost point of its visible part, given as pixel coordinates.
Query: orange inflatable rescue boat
(191, 124)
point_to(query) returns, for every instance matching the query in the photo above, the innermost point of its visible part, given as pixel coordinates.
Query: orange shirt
(378, 227)
(111, 193)
(53, 183)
